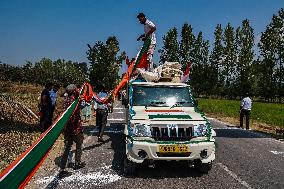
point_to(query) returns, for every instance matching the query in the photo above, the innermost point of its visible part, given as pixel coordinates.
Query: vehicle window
(161, 95)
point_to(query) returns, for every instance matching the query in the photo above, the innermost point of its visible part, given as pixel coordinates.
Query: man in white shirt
(245, 109)
(53, 97)
(149, 28)
(101, 114)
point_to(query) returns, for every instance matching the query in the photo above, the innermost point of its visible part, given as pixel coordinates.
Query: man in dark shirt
(45, 108)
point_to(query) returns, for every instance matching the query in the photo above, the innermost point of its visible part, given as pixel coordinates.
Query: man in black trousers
(245, 109)
(101, 114)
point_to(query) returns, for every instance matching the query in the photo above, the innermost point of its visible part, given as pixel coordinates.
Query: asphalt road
(244, 159)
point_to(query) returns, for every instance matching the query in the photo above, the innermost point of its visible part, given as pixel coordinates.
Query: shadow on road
(163, 169)
(239, 133)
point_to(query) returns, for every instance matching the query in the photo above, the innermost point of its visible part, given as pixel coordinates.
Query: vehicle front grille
(165, 133)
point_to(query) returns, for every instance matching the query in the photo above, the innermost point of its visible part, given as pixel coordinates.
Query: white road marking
(120, 119)
(277, 153)
(111, 131)
(221, 128)
(232, 174)
(117, 108)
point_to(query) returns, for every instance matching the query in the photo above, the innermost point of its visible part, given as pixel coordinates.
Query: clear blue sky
(33, 29)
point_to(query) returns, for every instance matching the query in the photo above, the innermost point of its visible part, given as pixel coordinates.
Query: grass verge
(268, 117)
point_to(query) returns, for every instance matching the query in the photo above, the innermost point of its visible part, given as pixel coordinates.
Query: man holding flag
(149, 29)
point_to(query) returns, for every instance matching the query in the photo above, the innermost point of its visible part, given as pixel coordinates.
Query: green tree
(44, 71)
(277, 25)
(171, 48)
(186, 45)
(229, 63)
(200, 65)
(216, 61)
(245, 43)
(105, 63)
(28, 72)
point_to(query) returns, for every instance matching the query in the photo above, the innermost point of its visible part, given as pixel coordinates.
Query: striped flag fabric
(19, 172)
(141, 59)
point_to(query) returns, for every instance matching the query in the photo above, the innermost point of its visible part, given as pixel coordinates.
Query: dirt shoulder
(272, 130)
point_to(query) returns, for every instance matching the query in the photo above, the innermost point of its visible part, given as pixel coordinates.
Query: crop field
(18, 125)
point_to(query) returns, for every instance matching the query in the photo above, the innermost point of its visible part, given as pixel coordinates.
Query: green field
(269, 113)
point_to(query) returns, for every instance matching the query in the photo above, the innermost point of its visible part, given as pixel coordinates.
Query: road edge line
(232, 174)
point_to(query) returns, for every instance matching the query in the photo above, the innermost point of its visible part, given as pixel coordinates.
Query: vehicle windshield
(162, 96)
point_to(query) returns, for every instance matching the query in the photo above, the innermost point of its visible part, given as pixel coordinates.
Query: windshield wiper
(181, 102)
(157, 103)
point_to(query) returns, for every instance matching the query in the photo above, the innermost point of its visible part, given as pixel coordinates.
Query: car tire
(202, 167)
(129, 167)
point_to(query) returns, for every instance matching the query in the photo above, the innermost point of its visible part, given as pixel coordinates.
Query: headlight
(200, 130)
(142, 130)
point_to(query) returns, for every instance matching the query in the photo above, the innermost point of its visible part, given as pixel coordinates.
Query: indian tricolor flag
(167, 114)
(141, 58)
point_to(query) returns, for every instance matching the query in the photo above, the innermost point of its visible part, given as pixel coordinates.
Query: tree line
(102, 72)
(231, 67)
(45, 71)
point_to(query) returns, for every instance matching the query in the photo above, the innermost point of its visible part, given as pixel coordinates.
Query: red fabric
(187, 70)
(88, 93)
(74, 124)
(143, 62)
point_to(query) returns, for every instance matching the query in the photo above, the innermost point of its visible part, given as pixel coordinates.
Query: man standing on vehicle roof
(149, 28)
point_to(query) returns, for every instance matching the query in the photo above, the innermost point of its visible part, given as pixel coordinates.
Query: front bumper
(152, 150)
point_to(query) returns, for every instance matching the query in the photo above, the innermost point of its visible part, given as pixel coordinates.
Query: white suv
(163, 123)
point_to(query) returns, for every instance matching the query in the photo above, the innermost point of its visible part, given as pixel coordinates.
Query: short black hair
(141, 14)
(48, 85)
(56, 86)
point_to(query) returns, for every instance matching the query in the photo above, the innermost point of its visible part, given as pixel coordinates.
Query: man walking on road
(73, 132)
(149, 28)
(101, 115)
(245, 109)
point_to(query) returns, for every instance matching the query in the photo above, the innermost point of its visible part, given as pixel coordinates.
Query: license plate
(173, 148)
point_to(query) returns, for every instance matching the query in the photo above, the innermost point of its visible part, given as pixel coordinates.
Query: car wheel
(129, 167)
(202, 167)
